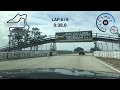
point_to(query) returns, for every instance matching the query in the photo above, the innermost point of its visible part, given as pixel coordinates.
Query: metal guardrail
(22, 55)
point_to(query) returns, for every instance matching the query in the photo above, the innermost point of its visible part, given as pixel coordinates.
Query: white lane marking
(107, 65)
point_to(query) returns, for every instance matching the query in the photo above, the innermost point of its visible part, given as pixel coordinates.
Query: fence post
(3, 56)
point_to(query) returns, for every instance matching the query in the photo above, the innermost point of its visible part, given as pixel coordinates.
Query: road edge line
(107, 65)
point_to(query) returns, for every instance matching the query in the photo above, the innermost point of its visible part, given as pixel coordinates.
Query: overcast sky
(78, 20)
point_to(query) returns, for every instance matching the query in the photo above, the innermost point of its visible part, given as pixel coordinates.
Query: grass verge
(112, 61)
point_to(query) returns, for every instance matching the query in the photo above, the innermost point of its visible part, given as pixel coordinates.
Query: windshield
(73, 40)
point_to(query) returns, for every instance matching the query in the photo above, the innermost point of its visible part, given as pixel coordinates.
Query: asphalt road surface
(69, 61)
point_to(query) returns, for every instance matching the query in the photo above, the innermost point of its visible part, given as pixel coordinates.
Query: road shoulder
(112, 63)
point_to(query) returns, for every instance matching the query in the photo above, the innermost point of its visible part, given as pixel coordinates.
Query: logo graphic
(24, 17)
(114, 30)
(103, 21)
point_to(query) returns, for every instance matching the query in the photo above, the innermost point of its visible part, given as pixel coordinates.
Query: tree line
(77, 49)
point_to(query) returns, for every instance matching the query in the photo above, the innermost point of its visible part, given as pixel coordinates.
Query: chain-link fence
(107, 54)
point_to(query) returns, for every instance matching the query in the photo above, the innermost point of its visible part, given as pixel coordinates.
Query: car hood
(59, 71)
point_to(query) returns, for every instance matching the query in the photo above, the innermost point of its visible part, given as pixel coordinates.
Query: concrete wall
(107, 54)
(23, 54)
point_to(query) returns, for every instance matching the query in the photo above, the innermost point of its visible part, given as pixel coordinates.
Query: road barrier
(107, 54)
(23, 54)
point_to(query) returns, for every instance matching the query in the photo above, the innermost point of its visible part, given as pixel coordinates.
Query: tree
(36, 34)
(93, 49)
(78, 49)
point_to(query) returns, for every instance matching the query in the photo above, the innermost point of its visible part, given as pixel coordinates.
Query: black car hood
(56, 73)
